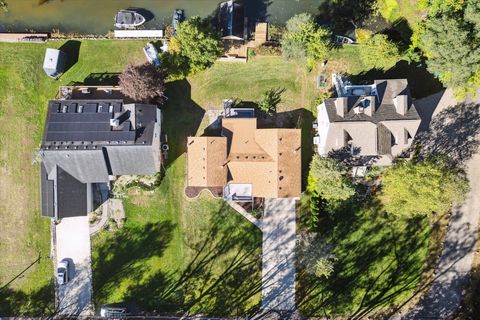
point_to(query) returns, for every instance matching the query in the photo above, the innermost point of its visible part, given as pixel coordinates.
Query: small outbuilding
(54, 62)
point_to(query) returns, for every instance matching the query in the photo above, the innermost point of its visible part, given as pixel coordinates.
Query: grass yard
(380, 263)
(24, 92)
(247, 82)
(176, 255)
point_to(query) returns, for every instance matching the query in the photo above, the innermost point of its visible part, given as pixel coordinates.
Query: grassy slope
(24, 93)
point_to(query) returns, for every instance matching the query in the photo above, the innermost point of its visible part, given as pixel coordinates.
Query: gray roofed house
(88, 142)
(377, 121)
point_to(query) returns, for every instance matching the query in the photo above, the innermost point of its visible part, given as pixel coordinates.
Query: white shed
(54, 62)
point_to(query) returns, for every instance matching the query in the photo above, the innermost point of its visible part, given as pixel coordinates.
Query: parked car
(116, 310)
(63, 275)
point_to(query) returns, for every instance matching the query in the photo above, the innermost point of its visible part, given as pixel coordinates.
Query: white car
(62, 272)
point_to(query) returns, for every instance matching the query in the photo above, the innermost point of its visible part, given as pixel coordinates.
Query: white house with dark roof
(377, 121)
(88, 142)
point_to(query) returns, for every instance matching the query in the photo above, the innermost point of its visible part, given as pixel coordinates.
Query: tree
(269, 100)
(421, 188)
(143, 83)
(304, 39)
(196, 41)
(329, 179)
(450, 41)
(378, 52)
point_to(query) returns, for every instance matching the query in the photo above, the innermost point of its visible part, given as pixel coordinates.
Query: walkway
(245, 214)
(73, 243)
(278, 282)
(103, 219)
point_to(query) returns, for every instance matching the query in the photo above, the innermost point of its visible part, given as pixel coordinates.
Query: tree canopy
(421, 188)
(197, 42)
(376, 51)
(450, 40)
(305, 39)
(143, 83)
(329, 179)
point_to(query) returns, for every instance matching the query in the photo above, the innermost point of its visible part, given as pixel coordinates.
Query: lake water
(96, 16)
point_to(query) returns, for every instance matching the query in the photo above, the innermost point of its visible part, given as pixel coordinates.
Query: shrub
(269, 100)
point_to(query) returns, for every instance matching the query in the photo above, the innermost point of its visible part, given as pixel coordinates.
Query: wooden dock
(24, 37)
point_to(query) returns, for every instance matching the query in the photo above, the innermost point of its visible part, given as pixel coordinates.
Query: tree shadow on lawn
(17, 303)
(221, 277)
(121, 254)
(378, 259)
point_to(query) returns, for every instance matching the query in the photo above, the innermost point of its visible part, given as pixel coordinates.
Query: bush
(411, 189)
(143, 83)
(269, 101)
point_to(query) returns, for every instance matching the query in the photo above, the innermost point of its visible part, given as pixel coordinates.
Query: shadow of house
(182, 117)
(72, 49)
(421, 82)
(102, 79)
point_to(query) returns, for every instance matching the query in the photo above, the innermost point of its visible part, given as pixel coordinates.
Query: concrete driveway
(278, 265)
(73, 243)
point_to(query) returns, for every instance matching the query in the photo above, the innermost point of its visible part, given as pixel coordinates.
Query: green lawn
(176, 255)
(24, 92)
(380, 263)
(247, 82)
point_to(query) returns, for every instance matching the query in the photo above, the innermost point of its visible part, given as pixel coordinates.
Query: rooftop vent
(114, 122)
(358, 109)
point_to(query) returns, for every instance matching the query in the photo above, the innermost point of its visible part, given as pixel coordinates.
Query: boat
(178, 16)
(128, 19)
(152, 54)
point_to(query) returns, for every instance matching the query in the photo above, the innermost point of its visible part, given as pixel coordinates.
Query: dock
(138, 33)
(24, 37)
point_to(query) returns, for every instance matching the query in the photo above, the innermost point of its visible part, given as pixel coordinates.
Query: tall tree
(450, 42)
(143, 83)
(196, 41)
(421, 188)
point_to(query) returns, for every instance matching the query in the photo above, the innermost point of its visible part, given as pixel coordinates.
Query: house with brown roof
(245, 162)
(377, 121)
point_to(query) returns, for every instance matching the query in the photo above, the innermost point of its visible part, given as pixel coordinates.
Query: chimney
(341, 105)
(369, 105)
(401, 104)
(114, 122)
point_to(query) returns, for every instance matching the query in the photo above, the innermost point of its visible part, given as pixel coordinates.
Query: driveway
(73, 243)
(455, 263)
(278, 274)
